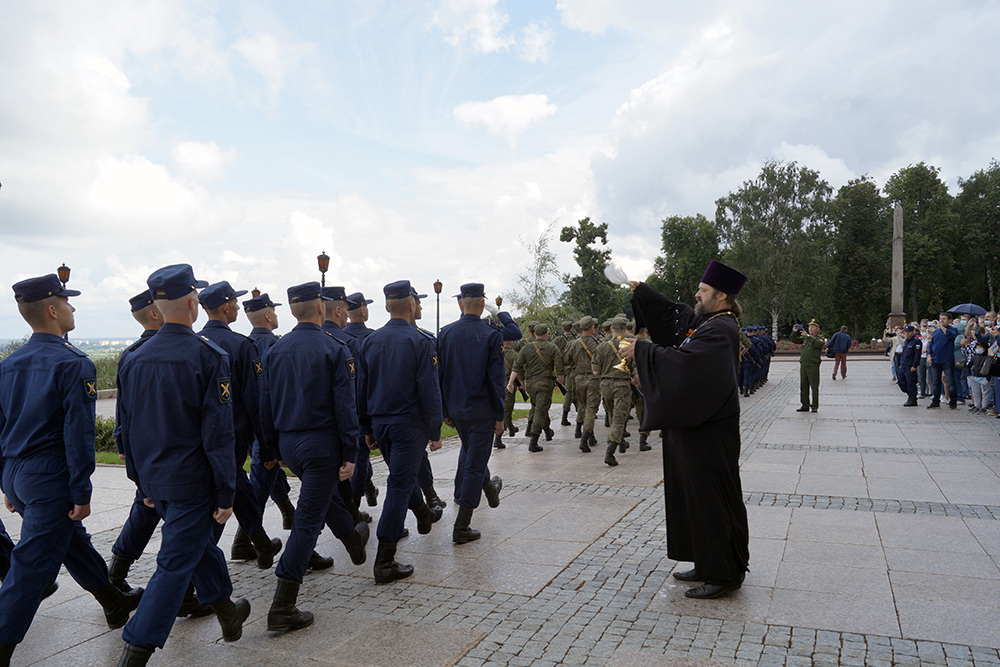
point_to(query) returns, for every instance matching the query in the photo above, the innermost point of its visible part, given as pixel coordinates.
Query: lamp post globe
(437, 292)
(324, 263)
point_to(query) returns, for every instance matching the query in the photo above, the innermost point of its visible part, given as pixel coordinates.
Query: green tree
(688, 245)
(775, 230)
(862, 255)
(978, 205)
(933, 240)
(535, 294)
(590, 292)
(12, 346)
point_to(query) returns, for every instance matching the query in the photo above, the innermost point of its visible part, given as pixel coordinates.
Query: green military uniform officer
(579, 356)
(562, 341)
(616, 387)
(540, 364)
(810, 356)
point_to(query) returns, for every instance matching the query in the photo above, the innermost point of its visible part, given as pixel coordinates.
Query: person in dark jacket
(840, 345)
(941, 359)
(909, 359)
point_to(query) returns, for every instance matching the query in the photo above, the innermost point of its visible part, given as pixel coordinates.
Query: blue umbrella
(967, 309)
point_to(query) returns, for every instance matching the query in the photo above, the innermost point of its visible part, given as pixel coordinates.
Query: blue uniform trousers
(266, 482)
(6, 546)
(187, 552)
(948, 370)
(362, 471)
(402, 447)
(473, 471)
(38, 488)
(138, 529)
(907, 380)
(319, 503)
(245, 507)
(425, 478)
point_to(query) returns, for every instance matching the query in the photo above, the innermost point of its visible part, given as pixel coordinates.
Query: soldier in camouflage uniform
(541, 365)
(640, 407)
(562, 341)
(579, 357)
(509, 355)
(616, 387)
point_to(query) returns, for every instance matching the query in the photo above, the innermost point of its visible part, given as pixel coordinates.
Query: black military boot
(491, 488)
(643, 442)
(623, 447)
(231, 616)
(426, 517)
(132, 656)
(498, 442)
(565, 419)
(190, 605)
(513, 430)
(585, 442)
(266, 548)
(386, 568)
(433, 500)
(283, 615)
(533, 446)
(579, 430)
(287, 515)
(357, 516)
(549, 433)
(593, 439)
(317, 562)
(6, 650)
(911, 402)
(607, 421)
(609, 456)
(242, 548)
(371, 494)
(117, 605)
(355, 543)
(118, 572)
(461, 533)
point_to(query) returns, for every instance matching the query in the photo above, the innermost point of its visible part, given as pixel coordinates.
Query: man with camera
(810, 356)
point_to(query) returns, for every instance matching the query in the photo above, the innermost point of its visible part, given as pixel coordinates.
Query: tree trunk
(774, 325)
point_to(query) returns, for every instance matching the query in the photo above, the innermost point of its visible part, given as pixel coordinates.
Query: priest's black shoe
(709, 591)
(231, 616)
(609, 456)
(491, 488)
(686, 575)
(462, 533)
(283, 614)
(386, 567)
(533, 446)
(132, 656)
(802, 409)
(317, 562)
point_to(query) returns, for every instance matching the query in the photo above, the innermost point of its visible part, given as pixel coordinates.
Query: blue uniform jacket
(507, 326)
(401, 380)
(910, 357)
(47, 394)
(246, 367)
(358, 330)
(263, 339)
(176, 409)
(470, 362)
(307, 394)
(942, 345)
(146, 335)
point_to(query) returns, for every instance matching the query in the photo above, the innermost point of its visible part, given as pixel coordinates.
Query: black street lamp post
(63, 272)
(324, 264)
(437, 292)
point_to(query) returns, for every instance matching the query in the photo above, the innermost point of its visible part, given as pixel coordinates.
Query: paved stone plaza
(875, 540)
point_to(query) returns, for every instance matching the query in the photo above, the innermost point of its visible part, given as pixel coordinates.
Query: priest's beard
(701, 308)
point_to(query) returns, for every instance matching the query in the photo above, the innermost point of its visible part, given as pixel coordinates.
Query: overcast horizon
(423, 140)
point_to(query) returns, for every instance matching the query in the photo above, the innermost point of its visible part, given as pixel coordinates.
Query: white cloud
(201, 162)
(274, 59)
(650, 17)
(506, 116)
(535, 43)
(478, 22)
(134, 189)
(833, 170)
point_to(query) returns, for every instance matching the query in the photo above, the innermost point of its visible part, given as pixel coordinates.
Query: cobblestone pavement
(874, 541)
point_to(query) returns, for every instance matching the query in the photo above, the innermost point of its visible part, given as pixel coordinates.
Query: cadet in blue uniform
(425, 476)
(909, 360)
(175, 406)
(470, 363)
(308, 412)
(219, 301)
(402, 399)
(142, 519)
(260, 311)
(336, 319)
(47, 394)
(361, 483)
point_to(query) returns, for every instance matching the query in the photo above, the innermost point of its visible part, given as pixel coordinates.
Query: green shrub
(104, 436)
(107, 370)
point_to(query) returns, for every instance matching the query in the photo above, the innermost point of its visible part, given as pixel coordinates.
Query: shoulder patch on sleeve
(351, 369)
(225, 390)
(90, 389)
(258, 367)
(214, 346)
(434, 360)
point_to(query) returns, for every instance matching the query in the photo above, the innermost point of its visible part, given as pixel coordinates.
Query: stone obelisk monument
(897, 317)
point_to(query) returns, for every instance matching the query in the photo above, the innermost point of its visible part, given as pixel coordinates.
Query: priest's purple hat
(724, 278)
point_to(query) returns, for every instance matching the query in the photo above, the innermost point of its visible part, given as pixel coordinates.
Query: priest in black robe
(688, 373)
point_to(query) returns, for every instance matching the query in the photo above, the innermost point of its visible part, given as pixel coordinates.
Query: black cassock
(689, 384)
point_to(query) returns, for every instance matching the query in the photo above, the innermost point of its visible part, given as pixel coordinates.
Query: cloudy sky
(424, 140)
